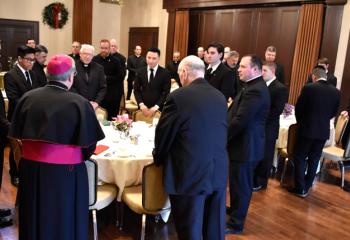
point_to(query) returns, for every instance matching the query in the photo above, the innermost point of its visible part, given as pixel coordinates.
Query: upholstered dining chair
(337, 153)
(99, 196)
(148, 198)
(122, 105)
(101, 113)
(139, 116)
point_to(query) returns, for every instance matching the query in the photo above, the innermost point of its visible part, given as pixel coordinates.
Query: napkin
(100, 148)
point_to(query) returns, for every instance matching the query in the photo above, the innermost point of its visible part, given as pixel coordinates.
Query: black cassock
(53, 198)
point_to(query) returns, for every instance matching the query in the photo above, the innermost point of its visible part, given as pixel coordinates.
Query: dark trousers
(199, 215)
(130, 87)
(241, 185)
(263, 169)
(307, 153)
(13, 166)
(112, 100)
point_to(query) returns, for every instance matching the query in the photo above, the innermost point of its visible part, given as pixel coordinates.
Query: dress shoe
(5, 213)
(231, 230)
(15, 181)
(302, 194)
(5, 222)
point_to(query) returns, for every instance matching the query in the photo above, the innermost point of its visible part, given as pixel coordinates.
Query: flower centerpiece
(288, 110)
(122, 123)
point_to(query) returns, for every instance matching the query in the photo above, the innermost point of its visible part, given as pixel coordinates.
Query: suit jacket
(222, 79)
(92, 88)
(16, 85)
(76, 57)
(155, 92)
(279, 96)
(122, 61)
(246, 122)
(280, 73)
(134, 63)
(40, 73)
(330, 78)
(190, 140)
(317, 104)
(172, 67)
(238, 85)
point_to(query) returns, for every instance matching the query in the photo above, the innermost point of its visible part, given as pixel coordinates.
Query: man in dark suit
(232, 62)
(270, 56)
(217, 74)
(135, 62)
(152, 84)
(330, 77)
(246, 139)
(39, 64)
(75, 51)
(90, 79)
(114, 78)
(317, 104)
(18, 81)
(190, 143)
(119, 56)
(278, 96)
(173, 66)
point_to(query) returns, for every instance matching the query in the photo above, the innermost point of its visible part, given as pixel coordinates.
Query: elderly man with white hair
(190, 143)
(90, 80)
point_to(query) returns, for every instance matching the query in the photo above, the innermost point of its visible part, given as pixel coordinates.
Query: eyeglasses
(30, 60)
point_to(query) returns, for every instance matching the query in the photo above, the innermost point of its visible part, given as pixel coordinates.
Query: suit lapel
(22, 78)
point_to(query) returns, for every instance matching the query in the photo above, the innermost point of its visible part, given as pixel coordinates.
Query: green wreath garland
(55, 15)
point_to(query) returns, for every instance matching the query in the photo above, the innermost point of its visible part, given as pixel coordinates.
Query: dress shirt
(270, 81)
(213, 67)
(149, 72)
(24, 73)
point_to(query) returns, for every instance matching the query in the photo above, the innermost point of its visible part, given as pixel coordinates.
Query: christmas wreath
(55, 15)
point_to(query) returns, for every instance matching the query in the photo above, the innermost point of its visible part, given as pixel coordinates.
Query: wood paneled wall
(82, 21)
(181, 32)
(248, 30)
(306, 48)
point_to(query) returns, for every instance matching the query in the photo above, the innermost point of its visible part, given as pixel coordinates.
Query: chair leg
(322, 162)
(121, 216)
(342, 173)
(143, 226)
(94, 220)
(284, 170)
(117, 206)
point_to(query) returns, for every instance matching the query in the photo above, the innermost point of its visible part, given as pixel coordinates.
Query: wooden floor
(273, 214)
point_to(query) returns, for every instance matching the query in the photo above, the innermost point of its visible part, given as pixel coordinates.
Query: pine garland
(55, 15)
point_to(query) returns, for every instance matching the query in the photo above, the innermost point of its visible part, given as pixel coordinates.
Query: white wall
(143, 13)
(57, 41)
(343, 44)
(105, 22)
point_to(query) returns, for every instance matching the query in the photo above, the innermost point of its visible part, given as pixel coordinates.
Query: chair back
(139, 116)
(101, 112)
(340, 128)
(154, 197)
(16, 146)
(291, 141)
(91, 167)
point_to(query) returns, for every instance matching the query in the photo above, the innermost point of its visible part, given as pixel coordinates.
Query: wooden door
(14, 33)
(145, 37)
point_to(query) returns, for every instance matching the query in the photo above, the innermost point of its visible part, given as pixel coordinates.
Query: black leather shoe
(15, 181)
(230, 230)
(5, 222)
(302, 194)
(5, 213)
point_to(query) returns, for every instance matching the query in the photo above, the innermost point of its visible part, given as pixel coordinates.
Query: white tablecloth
(123, 162)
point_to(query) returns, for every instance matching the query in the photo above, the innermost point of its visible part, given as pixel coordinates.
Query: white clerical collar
(252, 78)
(321, 79)
(214, 67)
(270, 81)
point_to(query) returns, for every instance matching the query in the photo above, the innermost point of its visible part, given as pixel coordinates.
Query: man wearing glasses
(18, 81)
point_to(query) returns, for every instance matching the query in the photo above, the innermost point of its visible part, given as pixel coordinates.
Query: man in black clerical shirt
(135, 62)
(90, 80)
(232, 62)
(270, 56)
(75, 51)
(114, 78)
(119, 56)
(172, 67)
(39, 64)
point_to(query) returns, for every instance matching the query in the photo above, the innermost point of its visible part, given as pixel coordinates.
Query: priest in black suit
(152, 84)
(217, 74)
(317, 104)
(246, 139)
(279, 96)
(18, 81)
(39, 64)
(173, 66)
(75, 51)
(270, 56)
(90, 79)
(232, 62)
(323, 62)
(190, 143)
